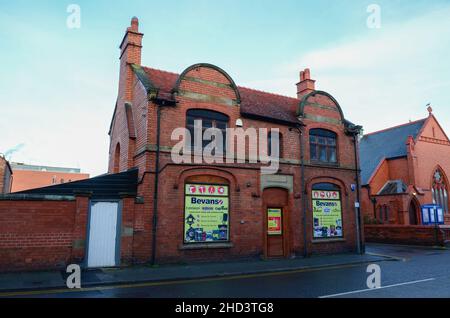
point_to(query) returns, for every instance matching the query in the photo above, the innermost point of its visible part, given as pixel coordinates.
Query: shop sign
(327, 214)
(206, 212)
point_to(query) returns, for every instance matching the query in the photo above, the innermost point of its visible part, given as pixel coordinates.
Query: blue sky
(59, 85)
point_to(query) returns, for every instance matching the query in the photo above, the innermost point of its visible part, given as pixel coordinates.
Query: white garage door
(103, 234)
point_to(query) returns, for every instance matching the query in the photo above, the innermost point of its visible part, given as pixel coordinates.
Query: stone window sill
(333, 240)
(202, 246)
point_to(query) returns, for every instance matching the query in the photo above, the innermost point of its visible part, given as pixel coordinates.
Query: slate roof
(386, 144)
(254, 103)
(109, 186)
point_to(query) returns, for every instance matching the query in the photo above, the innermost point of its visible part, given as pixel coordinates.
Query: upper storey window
(323, 146)
(209, 119)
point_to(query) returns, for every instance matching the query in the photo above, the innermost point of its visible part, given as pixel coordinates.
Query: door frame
(118, 230)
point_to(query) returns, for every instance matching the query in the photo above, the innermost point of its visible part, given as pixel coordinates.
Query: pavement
(43, 280)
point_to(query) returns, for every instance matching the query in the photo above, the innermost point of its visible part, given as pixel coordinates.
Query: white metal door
(103, 234)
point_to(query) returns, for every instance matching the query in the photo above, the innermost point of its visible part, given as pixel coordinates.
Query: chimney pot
(306, 84)
(307, 73)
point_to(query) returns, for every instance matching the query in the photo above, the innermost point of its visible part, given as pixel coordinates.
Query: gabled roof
(254, 103)
(386, 144)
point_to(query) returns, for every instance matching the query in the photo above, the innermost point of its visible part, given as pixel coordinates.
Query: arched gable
(207, 83)
(320, 104)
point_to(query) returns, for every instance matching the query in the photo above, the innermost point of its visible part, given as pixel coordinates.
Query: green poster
(206, 216)
(327, 218)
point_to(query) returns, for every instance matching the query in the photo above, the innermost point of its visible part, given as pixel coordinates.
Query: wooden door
(276, 217)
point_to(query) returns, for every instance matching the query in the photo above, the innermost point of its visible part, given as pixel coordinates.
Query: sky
(58, 85)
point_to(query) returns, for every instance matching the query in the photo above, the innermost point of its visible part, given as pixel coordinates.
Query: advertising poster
(206, 211)
(274, 222)
(327, 214)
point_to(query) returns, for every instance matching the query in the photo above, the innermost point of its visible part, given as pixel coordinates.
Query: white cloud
(384, 78)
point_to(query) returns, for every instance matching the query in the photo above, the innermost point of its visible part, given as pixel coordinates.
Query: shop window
(269, 144)
(327, 211)
(209, 119)
(206, 213)
(323, 145)
(440, 190)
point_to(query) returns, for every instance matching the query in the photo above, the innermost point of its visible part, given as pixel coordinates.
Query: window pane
(190, 120)
(323, 153)
(221, 125)
(332, 141)
(332, 157)
(313, 152)
(322, 141)
(207, 123)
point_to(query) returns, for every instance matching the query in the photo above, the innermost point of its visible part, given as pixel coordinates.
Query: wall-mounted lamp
(239, 123)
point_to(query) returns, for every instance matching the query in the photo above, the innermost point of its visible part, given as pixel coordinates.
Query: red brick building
(28, 177)
(198, 211)
(152, 103)
(403, 169)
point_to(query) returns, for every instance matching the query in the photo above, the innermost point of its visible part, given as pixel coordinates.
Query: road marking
(187, 281)
(398, 258)
(383, 287)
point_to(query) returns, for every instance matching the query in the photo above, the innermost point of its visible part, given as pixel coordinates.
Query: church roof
(386, 144)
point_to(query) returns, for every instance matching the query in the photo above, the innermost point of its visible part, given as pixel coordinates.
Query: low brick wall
(404, 234)
(40, 233)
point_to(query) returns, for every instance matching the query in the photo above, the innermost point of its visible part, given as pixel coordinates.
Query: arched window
(209, 119)
(439, 190)
(322, 145)
(116, 167)
(280, 144)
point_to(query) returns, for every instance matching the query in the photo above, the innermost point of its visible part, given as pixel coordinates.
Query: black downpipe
(304, 193)
(155, 192)
(358, 197)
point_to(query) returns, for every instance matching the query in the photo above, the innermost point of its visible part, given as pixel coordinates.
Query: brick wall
(50, 233)
(404, 234)
(36, 234)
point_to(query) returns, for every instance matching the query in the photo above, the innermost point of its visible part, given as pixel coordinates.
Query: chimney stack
(130, 53)
(131, 46)
(306, 84)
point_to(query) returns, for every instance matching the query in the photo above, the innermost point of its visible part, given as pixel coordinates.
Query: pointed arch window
(440, 190)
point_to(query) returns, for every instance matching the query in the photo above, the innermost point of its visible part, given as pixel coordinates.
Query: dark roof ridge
(395, 127)
(266, 92)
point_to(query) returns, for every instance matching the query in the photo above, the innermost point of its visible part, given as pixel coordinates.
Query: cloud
(385, 76)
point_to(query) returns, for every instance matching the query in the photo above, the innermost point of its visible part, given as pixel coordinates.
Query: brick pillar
(127, 229)
(80, 228)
